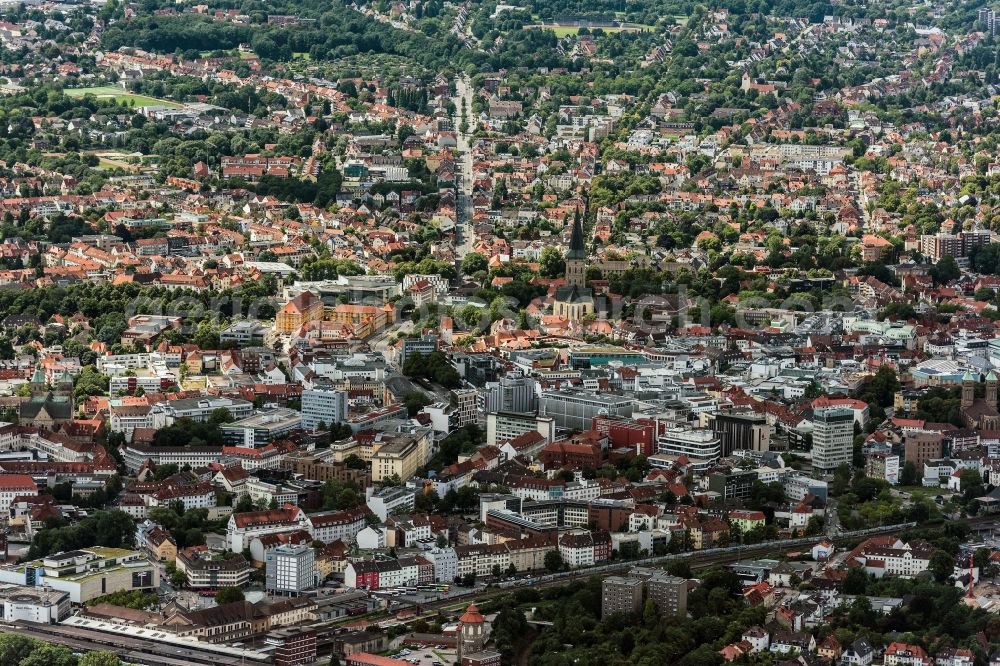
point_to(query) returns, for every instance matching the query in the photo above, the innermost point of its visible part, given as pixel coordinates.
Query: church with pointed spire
(574, 300)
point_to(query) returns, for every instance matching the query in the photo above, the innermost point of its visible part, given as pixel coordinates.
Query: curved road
(465, 239)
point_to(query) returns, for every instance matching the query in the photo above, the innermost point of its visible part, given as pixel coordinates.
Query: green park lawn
(120, 96)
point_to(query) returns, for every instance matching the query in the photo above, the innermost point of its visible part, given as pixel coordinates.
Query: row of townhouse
(585, 549)
(580, 549)
(326, 527)
(192, 496)
(388, 573)
(862, 652)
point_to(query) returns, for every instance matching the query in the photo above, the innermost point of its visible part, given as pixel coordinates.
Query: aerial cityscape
(459, 332)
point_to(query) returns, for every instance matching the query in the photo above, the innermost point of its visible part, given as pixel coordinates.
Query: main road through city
(464, 234)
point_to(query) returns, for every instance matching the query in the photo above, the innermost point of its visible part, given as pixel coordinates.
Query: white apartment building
(383, 501)
(343, 525)
(504, 426)
(480, 559)
(196, 496)
(205, 571)
(259, 490)
(576, 551)
(15, 485)
(243, 527)
(902, 559)
(445, 563)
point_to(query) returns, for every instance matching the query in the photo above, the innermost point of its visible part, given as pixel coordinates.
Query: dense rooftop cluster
(461, 332)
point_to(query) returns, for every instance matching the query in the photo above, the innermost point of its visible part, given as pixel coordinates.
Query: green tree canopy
(228, 595)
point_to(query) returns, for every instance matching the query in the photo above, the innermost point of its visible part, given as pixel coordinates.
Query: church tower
(64, 384)
(576, 257)
(992, 383)
(471, 633)
(968, 390)
(38, 384)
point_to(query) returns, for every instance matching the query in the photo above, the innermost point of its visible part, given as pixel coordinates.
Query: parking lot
(426, 656)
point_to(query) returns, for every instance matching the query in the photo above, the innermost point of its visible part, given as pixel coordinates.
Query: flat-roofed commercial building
(86, 573)
(576, 410)
(260, 428)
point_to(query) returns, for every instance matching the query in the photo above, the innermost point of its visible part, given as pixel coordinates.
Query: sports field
(121, 96)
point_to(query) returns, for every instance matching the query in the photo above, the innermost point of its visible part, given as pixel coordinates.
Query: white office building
(510, 394)
(505, 426)
(259, 429)
(290, 569)
(833, 438)
(322, 403)
(701, 446)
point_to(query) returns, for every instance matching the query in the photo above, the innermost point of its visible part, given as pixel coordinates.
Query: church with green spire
(47, 407)
(574, 300)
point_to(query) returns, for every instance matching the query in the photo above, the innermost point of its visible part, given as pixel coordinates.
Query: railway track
(696, 560)
(156, 653)
(131, 649)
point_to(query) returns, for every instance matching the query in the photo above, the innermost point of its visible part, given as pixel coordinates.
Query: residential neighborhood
(387, 333)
